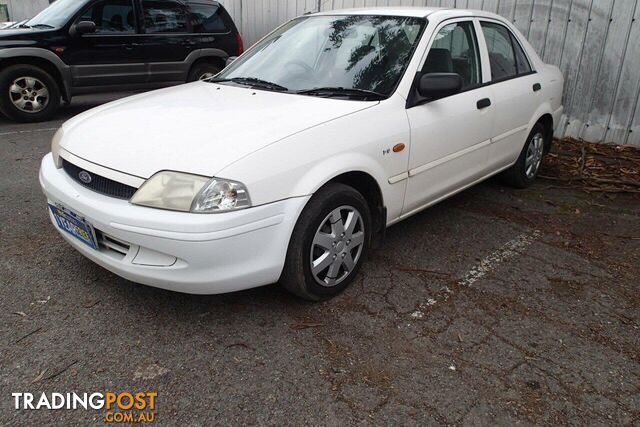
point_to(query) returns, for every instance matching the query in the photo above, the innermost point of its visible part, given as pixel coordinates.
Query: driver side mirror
(439, 85)
(83, 27)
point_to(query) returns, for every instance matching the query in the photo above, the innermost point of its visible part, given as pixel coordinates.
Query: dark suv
(84, 46)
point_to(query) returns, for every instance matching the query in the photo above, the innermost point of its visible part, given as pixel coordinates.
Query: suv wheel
(28, 93)
(203, 70)
(329, 243)
(524, 172)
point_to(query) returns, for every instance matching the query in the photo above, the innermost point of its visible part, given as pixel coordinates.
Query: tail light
(240, 44)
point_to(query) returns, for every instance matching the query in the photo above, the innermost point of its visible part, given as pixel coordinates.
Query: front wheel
(203, 71)
(329, 243)
(524, 172)
(28, 93)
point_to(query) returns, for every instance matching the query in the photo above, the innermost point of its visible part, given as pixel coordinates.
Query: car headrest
(438, 61)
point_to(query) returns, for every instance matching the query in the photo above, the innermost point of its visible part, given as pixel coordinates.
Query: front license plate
(74, 225)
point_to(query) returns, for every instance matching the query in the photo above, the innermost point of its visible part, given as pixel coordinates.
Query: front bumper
(184, 252)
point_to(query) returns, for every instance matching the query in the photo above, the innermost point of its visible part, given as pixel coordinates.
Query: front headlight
(55, 148)
(191, 193)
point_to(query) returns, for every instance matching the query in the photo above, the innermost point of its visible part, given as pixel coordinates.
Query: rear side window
(521, 59)
(111, 16)
(506, 56)
(164, 16)
(206, 18)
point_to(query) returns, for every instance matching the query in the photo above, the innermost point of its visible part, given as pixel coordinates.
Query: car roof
(418, 12)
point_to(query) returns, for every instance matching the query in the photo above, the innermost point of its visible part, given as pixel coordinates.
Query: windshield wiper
(252, 81)
(342, 91)
(42, 26)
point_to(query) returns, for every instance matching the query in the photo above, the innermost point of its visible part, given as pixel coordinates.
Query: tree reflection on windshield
(352, 52)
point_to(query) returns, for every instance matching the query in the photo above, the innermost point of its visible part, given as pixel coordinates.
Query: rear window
(164, 16)
(207, 18)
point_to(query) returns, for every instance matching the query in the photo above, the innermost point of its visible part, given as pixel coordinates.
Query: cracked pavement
(495, 307)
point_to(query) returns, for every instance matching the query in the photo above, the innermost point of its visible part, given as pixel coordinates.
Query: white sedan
(292, 161)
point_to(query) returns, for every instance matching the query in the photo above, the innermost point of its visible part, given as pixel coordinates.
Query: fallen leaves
(595, 167)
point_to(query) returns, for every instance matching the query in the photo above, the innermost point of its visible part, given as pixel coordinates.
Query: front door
(111, 55)
(450, 136)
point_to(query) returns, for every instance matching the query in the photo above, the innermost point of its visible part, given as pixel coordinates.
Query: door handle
(537, 87)
(130, 46)
(484, 103)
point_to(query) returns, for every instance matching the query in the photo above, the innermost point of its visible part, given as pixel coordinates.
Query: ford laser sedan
(291, 162)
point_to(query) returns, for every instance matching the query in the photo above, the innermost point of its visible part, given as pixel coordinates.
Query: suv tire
(333, 233)
(28, 93)
(203, 70)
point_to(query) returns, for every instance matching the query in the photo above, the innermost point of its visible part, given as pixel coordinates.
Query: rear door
(111, 55)
(167, 39)
(450, 136)
(515, 89)
(213, 27)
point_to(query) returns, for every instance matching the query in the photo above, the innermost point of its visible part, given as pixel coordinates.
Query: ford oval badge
(85, 177)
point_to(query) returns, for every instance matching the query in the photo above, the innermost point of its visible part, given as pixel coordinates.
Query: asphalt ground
(497, 306)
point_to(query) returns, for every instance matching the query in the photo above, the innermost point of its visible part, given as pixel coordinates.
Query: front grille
(98, 183)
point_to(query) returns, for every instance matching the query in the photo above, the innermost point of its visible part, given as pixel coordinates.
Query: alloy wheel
(29, 94)
(534, 155)
(337, 246)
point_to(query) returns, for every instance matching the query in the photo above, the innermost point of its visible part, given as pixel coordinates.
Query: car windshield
(352, 54)
(56, 15)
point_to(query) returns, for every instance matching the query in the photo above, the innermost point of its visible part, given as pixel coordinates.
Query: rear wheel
(202, 71)
(28, 93)
(329, 243)
(524, 172)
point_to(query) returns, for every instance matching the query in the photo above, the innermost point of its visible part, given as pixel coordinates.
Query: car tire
(28, 93)
(203, 70)
(333, 232)
(524, 172)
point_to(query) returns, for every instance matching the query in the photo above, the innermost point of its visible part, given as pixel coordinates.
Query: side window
(206, 18)
(164, 16)
(521, 59)
(506, 56)
(455, 50)
(111, 16)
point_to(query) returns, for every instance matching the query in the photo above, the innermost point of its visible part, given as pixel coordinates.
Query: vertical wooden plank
(507, 9)
(609, 76)
(633, 135)
(624, 117)
(461, 4)
(558, 24)
(475, 4)
(290, 9)
(572, 52)
(491, 5)
(522, 16)
(448, 3)
(588, 68)
(539, 25)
